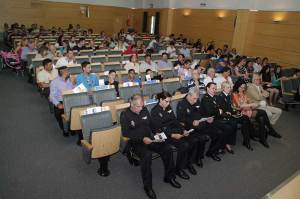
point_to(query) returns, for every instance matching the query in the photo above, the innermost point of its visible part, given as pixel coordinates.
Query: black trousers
(103, 162)
(228, 131)
(263, 122)
(246, 126)
(183, 147)
(216, 135)
(57, 113)
(144, 152)
(197, 142)
(46, 92)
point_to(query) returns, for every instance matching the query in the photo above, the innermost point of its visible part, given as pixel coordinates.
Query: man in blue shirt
(88, 79)
(131, 77)
(59, 84)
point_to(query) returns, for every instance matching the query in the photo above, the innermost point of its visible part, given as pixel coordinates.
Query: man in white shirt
(69, 59)
(225, 77)
(152, 42)
(45, 76)
(130, 37)
(210, 77)
(164, 63)
(171, 50)
(148, 64)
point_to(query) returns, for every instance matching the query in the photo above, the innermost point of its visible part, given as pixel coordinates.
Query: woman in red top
(242, 103)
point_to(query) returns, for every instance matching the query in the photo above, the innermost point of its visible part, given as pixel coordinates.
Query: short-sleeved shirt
(46, 77)
(89, 81)
(144, 66)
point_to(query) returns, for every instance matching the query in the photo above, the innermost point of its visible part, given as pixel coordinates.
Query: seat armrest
(86, 145)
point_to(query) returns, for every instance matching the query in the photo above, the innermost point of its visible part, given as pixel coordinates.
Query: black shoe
(200, 163)
(214, 157)
(191, 169)
(150, 193)
(173, 183)
(65, 134)
(255, 139)
(103, 172)
(265, 143)
(72, 133)
(182, 174)
(248, 146)
(275, 134)
(221, 152)
(230, 151)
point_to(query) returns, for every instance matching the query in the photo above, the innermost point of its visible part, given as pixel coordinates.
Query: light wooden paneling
(109, 19)
(279, 41)
(205, 24)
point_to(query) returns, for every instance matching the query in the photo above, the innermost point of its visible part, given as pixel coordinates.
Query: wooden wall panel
(280, 41)
(109, 19)
(205, 24)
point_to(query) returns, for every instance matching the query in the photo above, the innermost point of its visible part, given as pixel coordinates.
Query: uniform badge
(144, 118)
(132, 123)
(188, 110)
(170, 111)
(160, 115)
(197, 106)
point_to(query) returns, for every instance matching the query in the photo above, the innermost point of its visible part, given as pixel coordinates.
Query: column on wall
(241, 30)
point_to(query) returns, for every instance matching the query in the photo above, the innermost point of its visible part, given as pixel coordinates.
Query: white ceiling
(285, 5)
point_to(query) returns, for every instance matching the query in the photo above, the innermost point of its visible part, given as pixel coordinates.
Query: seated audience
(88, 79)
(57, 86)
(196, 82)
(68, 59)
(185, 51)
(224, 102)
(210, 77)
(171, 50)
(133, 64)
(190, 115)
(243, 104)
(241, 70)
(163, 120)
(112, 80)
(131, 50)
(45, 76)
(211, 109)
(257, 65)
(132, 77)
(258, 95)
(135, 124)
(185, 72)
(164, 63)
(148, 64)
(152, 76)
(180, 61)
(267, 82)
(224, 77)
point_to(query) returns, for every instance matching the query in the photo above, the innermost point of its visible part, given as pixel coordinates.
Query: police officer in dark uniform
(135, 124)
(224, 102)
(163, 120)
(212, 109)
(190, 115)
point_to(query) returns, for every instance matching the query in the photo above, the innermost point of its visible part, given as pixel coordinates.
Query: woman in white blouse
(133, 64)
